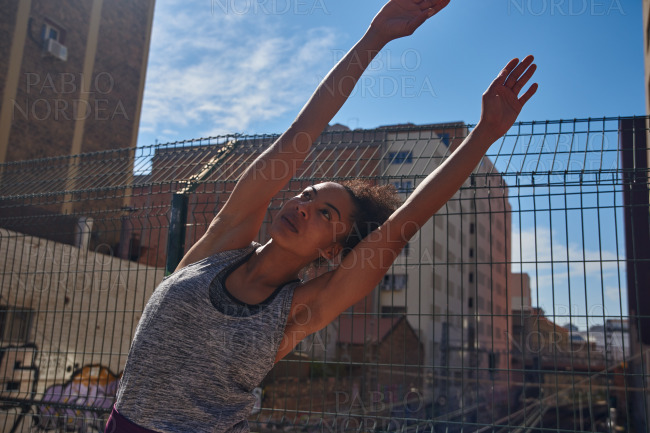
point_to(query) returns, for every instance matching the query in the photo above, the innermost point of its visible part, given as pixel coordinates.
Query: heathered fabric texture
(198, 352)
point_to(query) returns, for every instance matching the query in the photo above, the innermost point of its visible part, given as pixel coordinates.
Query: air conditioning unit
(56, 49)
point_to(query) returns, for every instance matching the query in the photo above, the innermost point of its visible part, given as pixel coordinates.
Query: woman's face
(315, 222)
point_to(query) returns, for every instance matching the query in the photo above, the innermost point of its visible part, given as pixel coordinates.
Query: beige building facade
(452, 279)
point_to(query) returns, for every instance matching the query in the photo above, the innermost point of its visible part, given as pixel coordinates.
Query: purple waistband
(118, 424)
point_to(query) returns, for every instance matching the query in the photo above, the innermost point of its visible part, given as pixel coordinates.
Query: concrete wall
(84, 306)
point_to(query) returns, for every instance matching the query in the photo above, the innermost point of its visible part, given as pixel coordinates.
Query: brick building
(71, 78)
(385, 353)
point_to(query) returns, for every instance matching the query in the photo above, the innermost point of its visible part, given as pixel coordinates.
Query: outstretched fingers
(521, 82)
(529, 93)
(522, 75)
(432, 6)
(514, 76)
(428, 8)
(505, 72)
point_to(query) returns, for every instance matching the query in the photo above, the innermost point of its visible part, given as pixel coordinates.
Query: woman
(215, 327)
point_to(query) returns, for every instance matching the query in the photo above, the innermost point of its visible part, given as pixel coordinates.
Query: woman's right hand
(501, 102)
(399, 18)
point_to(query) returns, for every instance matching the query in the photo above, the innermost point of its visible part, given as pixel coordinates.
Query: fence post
(176, 234)
(633, 148)
(178, 220)
(637, 219)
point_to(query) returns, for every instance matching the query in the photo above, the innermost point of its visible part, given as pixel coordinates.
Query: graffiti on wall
(93, 387)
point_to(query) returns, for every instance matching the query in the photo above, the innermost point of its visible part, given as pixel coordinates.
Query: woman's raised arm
(275, 167)
(238, 222)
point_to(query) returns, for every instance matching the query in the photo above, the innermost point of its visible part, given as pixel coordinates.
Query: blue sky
(248, 66)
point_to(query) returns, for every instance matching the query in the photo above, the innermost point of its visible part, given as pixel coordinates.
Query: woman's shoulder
(232, 253)
(226, 255)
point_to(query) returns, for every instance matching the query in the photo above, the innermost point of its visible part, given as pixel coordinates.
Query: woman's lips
(290, 223)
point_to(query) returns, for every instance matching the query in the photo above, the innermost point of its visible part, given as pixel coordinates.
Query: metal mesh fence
(522, 304)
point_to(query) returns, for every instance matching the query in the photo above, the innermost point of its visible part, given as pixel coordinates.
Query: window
(394, 282)
(392, 311)
(492, 360)
(400, 157)
(471, 228)
(444, 137)
(12, 386)
(50, 33)
(471, 252)
(470, 302)
(471, 334)
(403, 186)
(471, 277)
(15, 324)
(49, 30)
(53, 38)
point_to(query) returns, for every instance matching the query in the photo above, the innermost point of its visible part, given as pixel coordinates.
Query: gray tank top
(198, 352)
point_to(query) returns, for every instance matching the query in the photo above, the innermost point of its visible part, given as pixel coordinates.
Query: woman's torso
(198, 352)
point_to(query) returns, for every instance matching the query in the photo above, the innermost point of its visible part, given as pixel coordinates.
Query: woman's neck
(271, 266)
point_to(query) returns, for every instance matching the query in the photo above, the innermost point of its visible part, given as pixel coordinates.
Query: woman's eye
(306, 194)
(327, 214)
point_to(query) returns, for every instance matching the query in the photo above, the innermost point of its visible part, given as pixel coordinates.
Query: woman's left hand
(399, 18)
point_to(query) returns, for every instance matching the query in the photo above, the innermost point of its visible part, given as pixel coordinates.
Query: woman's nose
(303, 209)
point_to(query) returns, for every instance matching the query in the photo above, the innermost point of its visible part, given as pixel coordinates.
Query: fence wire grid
(522, 305)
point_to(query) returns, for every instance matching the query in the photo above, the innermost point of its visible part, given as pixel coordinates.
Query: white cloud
(566, 287)
(218, 73)
(614, 293)
(544, 250)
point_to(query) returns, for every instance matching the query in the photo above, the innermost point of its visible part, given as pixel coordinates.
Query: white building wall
(457, 266)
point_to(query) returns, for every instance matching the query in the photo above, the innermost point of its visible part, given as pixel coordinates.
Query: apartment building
(71, 80)
(451, 280)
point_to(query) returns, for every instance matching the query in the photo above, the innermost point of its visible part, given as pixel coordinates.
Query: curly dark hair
(373, 204)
